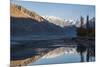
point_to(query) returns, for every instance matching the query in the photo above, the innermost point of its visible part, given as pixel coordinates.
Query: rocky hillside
(19, 11)
(26, 22)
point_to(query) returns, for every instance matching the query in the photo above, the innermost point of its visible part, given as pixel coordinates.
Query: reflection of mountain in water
(67, 55)
(43, 51)
(60, 51)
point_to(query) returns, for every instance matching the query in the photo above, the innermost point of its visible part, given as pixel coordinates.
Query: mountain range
(25, 22)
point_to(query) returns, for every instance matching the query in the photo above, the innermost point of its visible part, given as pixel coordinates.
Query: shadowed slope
(25, 22)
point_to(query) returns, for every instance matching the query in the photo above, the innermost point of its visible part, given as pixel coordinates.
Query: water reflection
(49, 52)
(71, 54)
(81, 49)
(90, 52)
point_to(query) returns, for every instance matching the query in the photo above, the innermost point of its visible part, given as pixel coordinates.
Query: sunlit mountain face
(55, 20)
(59, 21)
(25, 22)
(68, 22)
(28, 25)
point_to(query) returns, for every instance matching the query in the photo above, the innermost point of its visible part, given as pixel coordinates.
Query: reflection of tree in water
(81, 49)
(90, 52)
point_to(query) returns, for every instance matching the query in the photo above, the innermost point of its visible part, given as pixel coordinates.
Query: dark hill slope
(25, 22)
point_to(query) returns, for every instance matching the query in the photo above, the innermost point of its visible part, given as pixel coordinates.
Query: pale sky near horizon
(64, 11)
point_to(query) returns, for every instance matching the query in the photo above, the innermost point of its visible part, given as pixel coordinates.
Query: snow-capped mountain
(70, 22)
(67, 25)
(55, 20)
(25, 22)
(61, 22)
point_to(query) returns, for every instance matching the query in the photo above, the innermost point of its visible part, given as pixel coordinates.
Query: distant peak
(52, 17)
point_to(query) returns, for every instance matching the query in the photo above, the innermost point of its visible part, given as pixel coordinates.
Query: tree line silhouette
(87, 30)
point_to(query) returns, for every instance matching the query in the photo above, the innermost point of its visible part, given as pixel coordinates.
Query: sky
(64, 11)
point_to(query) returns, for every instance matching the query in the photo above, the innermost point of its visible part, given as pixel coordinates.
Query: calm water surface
(54, 52)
